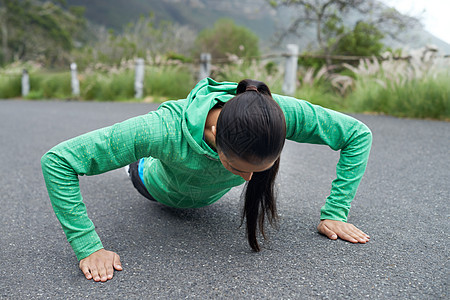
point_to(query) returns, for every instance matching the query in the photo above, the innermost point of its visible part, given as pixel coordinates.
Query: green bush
(162, 82)
(427, 97)
(168, 82)
(107, 87)
(307, 59)
(392, 88)
(266, 72)
(57, 86)
(321, 95)
(10, 86)
(227, 38)
(35, 95)
(50, 86)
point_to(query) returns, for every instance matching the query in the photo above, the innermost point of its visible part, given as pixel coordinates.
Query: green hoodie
(180, 169)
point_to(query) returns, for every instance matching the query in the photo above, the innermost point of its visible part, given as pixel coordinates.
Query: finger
(366, 238)
(117, 264)
(360, 236)
(85, 271)
(346, 236)
(95, 275)
(350, 233)
(353, 234)
(102, 274)
(326, 231)
(109, 271)
(364, 234)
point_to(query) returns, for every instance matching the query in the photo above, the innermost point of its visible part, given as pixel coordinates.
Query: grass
(160, 83)
(50, 86)
(258, 70)
(418, 98)
(10, 86)
(320, 95)
(390, 87)
(169, 82)
(105, 87)
(403, 90)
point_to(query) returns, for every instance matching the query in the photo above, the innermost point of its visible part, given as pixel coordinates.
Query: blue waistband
(141, 169)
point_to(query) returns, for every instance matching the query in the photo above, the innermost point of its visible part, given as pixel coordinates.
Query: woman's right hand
(100, 265)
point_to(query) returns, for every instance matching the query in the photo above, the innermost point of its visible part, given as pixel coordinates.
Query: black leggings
(137, 182)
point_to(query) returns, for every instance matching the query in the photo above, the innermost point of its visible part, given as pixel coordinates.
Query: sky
(434, 14)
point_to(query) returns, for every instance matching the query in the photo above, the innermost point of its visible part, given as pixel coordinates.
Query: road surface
(402, 203)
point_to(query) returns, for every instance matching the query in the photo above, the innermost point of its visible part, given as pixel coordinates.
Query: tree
(363, 40)
(228, 38)
(144, 38)
(328, 16)
(35, 30)
(152, 38)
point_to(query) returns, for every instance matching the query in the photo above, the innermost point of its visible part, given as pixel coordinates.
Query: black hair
(252, 127)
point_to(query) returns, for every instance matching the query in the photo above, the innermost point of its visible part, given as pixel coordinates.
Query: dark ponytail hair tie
(252, 88)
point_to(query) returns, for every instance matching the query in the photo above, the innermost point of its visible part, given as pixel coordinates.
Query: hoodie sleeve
(93, 153)
(308, 123)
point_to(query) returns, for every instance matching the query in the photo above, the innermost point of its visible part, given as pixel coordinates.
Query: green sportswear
(180, 169)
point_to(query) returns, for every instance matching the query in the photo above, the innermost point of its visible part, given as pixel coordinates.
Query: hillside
(198, 14)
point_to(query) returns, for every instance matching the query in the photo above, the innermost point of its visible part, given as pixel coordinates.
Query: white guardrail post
(139, 79)
(74, 80)
(205, 66)
(25, 83)
(290, 75)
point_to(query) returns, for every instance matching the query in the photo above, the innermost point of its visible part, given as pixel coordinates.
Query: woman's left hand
(346, 231)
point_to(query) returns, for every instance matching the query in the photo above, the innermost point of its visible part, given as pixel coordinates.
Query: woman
(190, 152)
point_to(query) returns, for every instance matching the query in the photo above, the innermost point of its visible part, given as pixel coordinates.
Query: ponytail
(252, 127)
(260, 202)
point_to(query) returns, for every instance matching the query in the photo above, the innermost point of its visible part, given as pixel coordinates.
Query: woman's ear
(213, 131)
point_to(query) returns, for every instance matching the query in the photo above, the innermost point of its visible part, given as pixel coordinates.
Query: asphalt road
(402, 203)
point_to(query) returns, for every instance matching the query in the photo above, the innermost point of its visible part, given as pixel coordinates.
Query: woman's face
(243, 168)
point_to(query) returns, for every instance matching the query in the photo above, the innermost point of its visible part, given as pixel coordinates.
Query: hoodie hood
(200, 100)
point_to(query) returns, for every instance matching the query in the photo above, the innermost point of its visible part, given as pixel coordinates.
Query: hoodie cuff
(85, 245)
(334, 212)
